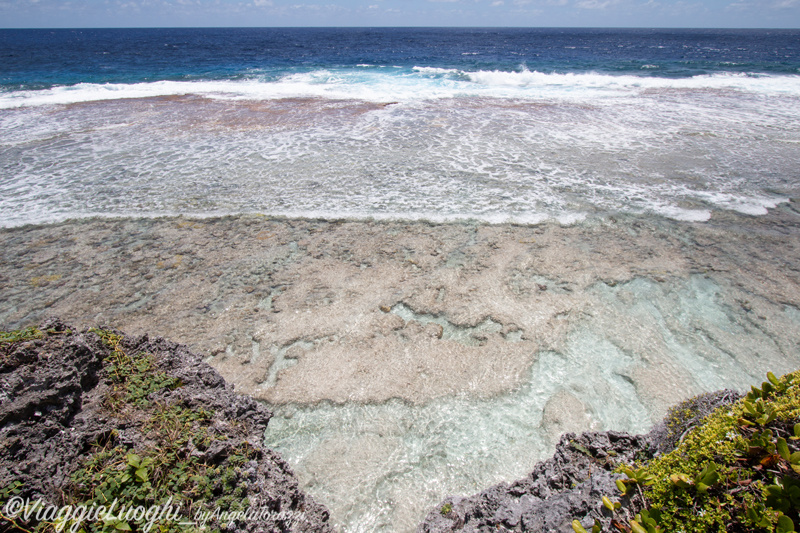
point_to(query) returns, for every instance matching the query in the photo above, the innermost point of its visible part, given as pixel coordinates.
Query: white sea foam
(435, 70)
(686, 215)
(680, 154)
(419, 83)
(748, 205)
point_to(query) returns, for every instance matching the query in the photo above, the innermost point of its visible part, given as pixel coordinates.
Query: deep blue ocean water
(35, 59)
(493, 124)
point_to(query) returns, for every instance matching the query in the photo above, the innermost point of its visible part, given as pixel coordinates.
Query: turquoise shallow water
(381, 467)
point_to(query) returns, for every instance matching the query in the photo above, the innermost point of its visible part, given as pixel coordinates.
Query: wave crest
(414, 84)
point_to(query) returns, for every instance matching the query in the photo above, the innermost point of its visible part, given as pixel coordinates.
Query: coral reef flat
(309, 310)
(465, 349)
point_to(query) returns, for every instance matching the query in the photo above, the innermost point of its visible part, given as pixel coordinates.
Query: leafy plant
(738, 469)
(133, 378)
(707, 477)
(784, 495)
(647, 522)
(578, 528)
(639, 476)
(21, 335)
(610, 505)
(760, 412)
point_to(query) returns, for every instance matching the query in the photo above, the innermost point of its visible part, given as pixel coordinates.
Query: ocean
(497, 125)
(651, 178)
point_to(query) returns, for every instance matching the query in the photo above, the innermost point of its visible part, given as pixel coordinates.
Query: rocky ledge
(90, 417)
(572, 483)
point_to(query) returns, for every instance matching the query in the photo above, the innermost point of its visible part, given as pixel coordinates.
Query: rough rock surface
(571, 483)
(51, 414)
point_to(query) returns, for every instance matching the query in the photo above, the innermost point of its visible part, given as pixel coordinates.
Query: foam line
(418, 83)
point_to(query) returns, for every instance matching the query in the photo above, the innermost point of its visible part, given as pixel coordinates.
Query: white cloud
(678, 9)
(497, 3)
(597, 4)
(738, 6)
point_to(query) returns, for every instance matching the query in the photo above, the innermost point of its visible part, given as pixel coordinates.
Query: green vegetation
(133, 377)
(165, 473)
(185, 463)
(738, 470)
(28, 334)
(20, 335)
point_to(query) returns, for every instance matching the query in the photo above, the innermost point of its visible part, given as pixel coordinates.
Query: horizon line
(648, 28)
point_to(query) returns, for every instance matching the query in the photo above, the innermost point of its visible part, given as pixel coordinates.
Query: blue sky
(542, 13)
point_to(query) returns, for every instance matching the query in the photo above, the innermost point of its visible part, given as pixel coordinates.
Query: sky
(521, 13)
